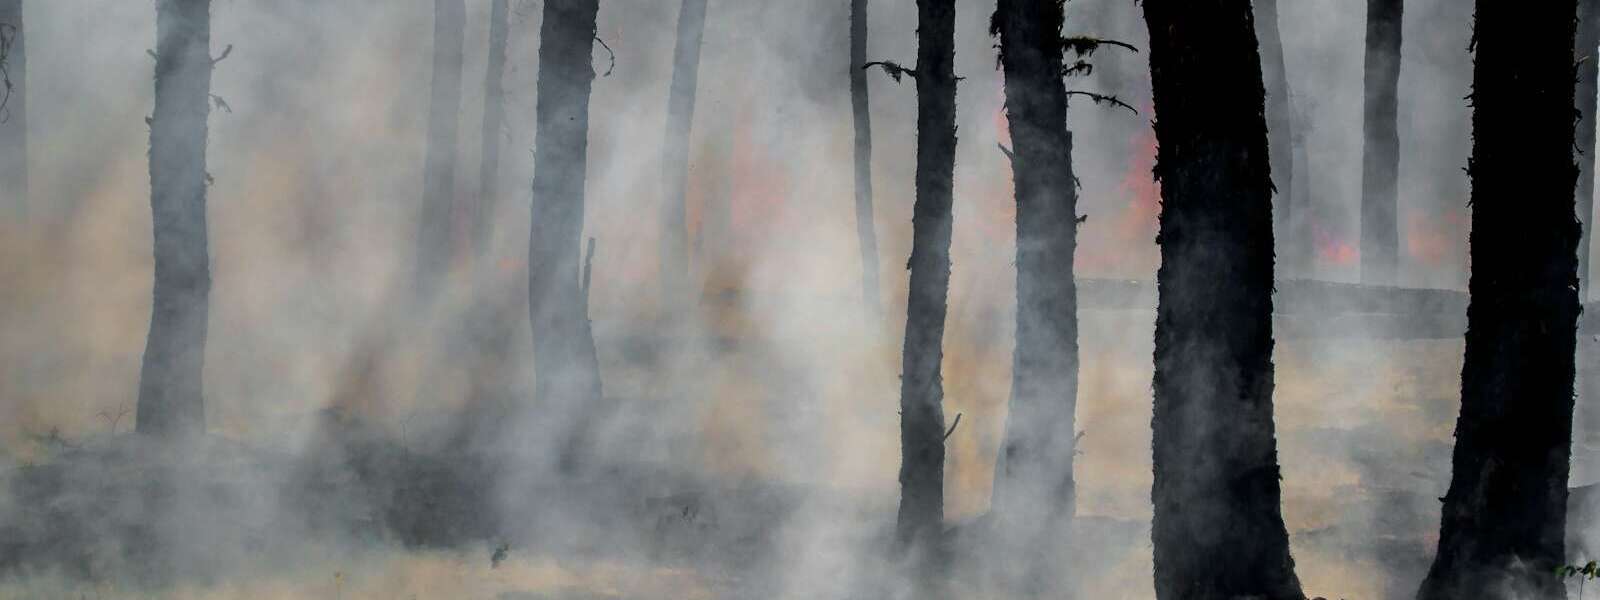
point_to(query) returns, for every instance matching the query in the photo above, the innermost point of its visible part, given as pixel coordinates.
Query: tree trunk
(1033, 486)
(567, 376)
(866, 232)
(1380, 155)
(921, 392)
(170, 394)
(675, 153)
(13, 109)
(493, 304)
(1218, 530)
(1280, 140)
(1588, 76)
(1502, 527)
(494, 117)
(438, 221)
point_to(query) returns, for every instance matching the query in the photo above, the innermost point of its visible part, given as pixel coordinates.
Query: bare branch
(1103, 99)
(225, 53)
(588, 271)
(221, 104)
(1007, 151)
(952, 428)
(894, 69)
(1085, 46)
(613, 54)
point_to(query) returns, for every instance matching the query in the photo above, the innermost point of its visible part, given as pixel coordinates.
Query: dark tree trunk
(675, 153)
(921, 391)
(13, 109)
(866, 232)
(1280, 140)
(1033, 486)
(1218, 530)
(567, 375)
(170, 394)
(1380, 154)
(1503, 525)
(1588, 77)
(494, 117)
(439, 218)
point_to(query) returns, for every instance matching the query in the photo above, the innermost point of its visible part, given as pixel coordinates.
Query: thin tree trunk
(866, 232)
(1033, 486)
(170, 393)
(13, 108)
(494, 306)
(567, 375)
(1503, 524)
(675, 153)
(921, 392)
(439, 216)
(1380, 155)
(1280, 139)
(1588, 76)
(1218, 529)
(494, 116)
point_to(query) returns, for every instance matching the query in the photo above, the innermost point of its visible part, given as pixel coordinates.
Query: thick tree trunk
(567, 375)
(170, 393)
(1280, 140)
(13, 109)
(439, 218)
(1588, 89)
(921, 391)
(1218, 530)
(866, 232)
(1380, 155)
(675, 153)
(1503, 524)
(1033, 485)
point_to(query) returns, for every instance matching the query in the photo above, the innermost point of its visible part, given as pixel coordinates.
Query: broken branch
(225, 53)
(894, 69)
(1104, 99)
(952, 428)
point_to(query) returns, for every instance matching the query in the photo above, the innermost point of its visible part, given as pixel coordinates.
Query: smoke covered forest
(855, 299)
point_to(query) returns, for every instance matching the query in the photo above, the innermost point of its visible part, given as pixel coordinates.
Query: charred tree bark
(1280, 140)
(566, 370)
(1033, 486)
(1380, 155)
(921, 510)
(1218, 529)
(171, 401)
(675, 153)
(1588, 88)
(13, 108)
(439, 218)
(1503, 524)
(866, 232)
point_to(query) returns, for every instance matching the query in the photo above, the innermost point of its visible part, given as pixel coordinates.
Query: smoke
(756, 442)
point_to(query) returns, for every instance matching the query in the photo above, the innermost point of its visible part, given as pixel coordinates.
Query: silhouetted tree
(1380, 153)
(921, 391)
(171, 400)
(1502, 528)
(1033, 485)
(1218, 529)
(439, 217)
(1588, 76)
(675, 153)
(13, 107)
(866, 233)
(566, 370)
(1280, 140)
